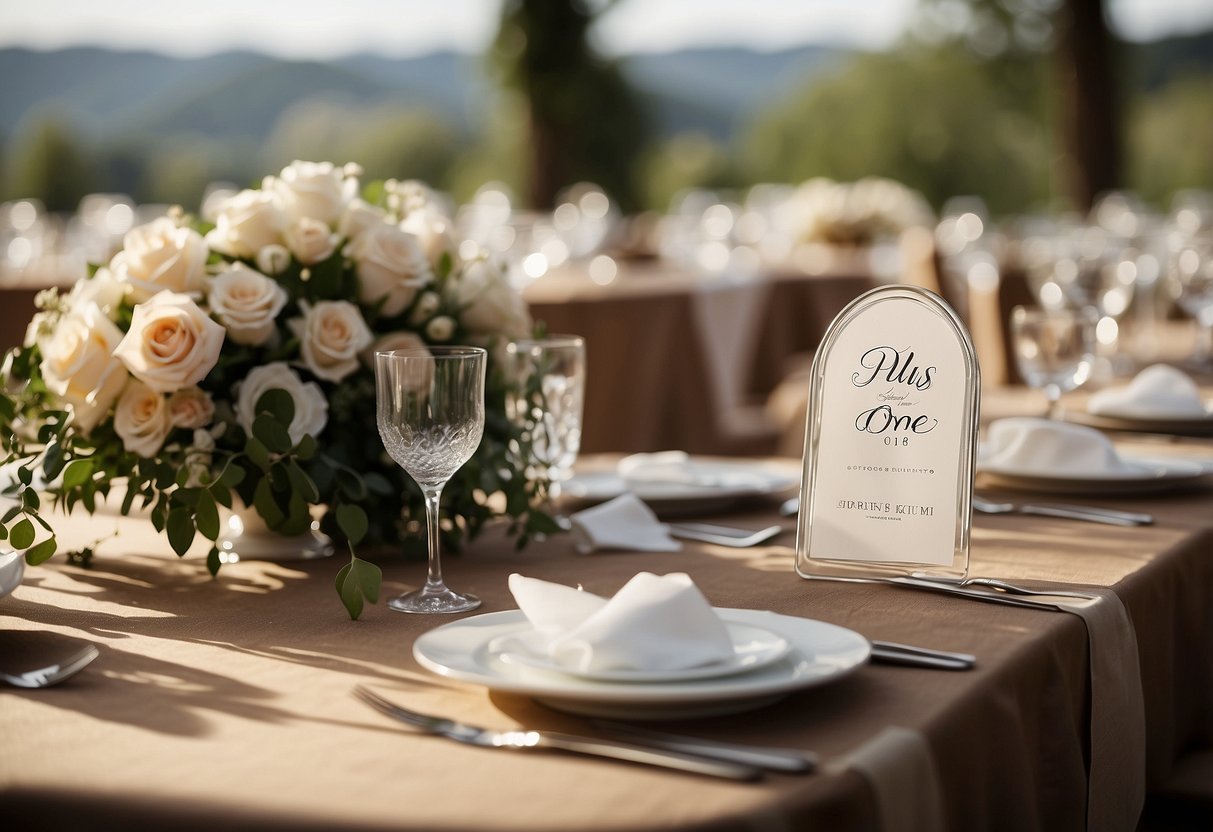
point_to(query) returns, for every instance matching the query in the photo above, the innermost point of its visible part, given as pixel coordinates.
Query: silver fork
(545, 740)
(1010, 588)
(723, 535)
(44, 677)
(1091, 514)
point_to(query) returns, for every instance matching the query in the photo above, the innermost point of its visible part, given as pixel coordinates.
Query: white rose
(391, 267)
(358, 216)
(440, 328)
(424, 308)
(400, 340)
(311, 408)
(273, 259)
(78, 364)
(311, 241)
(191, 408)
(432, 230)
(247, 302)
(489, 304)
(171, 343)
(161, 255)
(331, 334)
(316, 190)
(102, 289)
(141, 419)
(247, 223)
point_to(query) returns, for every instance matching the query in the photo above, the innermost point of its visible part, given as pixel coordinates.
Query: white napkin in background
(622, 523)
(1157, 392)
(1042, 446)
(655, 622)
(677, 468)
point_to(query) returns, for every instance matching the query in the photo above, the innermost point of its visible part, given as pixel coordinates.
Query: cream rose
(401, 340)
(191, 408)
(247, 223)
(311, 408)
(331, 334)
(141, 419)
(171, 343)
(79, 366)
(247, 302)
(489, 304)
(311, 241)
(440, 328)
(160, 255)
(316, 190)
(391, 267)
(273, 259)
(425, 307)
(358, 216)
(432, 230)
(102, 289)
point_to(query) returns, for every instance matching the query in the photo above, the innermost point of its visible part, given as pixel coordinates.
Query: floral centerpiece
(213, 365)
(854, 213)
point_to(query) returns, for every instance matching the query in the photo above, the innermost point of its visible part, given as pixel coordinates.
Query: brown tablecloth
(227, 702)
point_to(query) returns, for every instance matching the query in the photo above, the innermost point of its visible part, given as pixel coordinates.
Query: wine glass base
(434, 601)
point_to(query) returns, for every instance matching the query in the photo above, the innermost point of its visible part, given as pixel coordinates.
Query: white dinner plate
(819, 653)
(1185, 426)
(719, 484)
(753, 647)
(1144, 474)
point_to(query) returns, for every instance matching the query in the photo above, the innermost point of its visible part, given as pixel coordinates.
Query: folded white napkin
(1157, 392)
(677, 468)
(622, 523)
(655, 622)
(1042, 446)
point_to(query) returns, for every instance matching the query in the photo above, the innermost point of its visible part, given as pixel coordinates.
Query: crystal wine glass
(546, 401)
(1054, 349)
(1190, 270)
(431, 418)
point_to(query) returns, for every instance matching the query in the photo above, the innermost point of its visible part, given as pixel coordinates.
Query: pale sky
(326, 28)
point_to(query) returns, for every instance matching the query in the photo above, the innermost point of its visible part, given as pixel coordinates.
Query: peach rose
(191, 408)
(171, 343)
(391, 267)
(247, 302)
(79, 366)
(331, 334)
(247, 223)
(142, 419)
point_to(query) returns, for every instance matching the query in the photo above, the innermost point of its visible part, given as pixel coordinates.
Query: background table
(227, 702)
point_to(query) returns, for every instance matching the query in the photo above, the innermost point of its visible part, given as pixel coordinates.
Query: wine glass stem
(433, 580)
(1053, 393)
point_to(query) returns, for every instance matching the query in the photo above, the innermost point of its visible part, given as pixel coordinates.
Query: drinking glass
(546, 398)
(1190, 269)
(1054, 349)
(430, 412)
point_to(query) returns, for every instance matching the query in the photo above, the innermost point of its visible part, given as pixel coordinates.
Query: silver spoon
(44, 677)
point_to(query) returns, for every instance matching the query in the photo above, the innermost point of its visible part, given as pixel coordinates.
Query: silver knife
(776, 759)
(524, 740)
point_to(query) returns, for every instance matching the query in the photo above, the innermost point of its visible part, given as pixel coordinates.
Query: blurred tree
(1170, 137)
(48, 162)
(584, 121)
(1084, 73)
(939, 119)
(683, 162)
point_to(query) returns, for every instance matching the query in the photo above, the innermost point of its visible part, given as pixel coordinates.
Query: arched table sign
(891, 442)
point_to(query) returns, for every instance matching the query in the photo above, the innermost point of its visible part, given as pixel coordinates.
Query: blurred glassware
(1054, 349)
(970, 251)
(546, 402)
(1190, 275)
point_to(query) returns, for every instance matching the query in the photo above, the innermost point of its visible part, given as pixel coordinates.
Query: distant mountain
(117, 96)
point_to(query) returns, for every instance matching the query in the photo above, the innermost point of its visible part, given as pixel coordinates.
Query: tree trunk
(1090, 123)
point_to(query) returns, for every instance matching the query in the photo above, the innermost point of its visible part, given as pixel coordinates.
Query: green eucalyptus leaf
(272, 433)
(212, 561)
(22, 534)
(222, 495)
(3, 533)
(128, 500)
(42, 552)
(206, 516)
(351, 484)
(52, 460)
(352, 521)
(267, 506)
(341, 575)
(257, 453)
(232, 475)
(369, 576)
(25, 475)
(278, 403)
(10, 514)
(77, 472)
(30, 499)
(302, 483)
(378, 484)
(351, 594)
(306, 448)
(180, 530)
